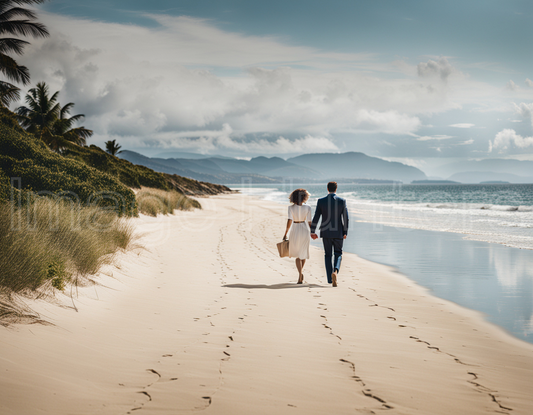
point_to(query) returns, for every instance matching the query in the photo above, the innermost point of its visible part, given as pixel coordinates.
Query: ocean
(470, 244)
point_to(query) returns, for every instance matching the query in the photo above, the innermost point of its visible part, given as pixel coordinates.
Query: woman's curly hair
(299, 196)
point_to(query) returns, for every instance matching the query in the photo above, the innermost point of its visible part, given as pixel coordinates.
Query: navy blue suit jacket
(334, 213)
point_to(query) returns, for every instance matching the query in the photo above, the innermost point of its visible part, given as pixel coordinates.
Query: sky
(418, 81)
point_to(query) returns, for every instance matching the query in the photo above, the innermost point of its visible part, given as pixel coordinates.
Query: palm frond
(7, 4)
(14, 71)
(11, 45)
(75, 118)
(66, 110)
(16, 12)
(81, 132)
(24, 28)
(8, 94)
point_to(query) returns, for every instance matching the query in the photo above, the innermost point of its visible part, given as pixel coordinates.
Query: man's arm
(314, 223)
(345, 221)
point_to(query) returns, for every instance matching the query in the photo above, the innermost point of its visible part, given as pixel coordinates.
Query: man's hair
(332, 187)
(299, 196)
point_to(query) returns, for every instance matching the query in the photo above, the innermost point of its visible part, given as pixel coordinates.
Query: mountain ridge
(261, 169)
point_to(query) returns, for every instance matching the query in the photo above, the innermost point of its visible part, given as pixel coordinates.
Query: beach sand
(209, 319)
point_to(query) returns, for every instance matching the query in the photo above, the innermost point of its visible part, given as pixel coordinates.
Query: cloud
(505, 138)
(391, 122)
(213, 141)
(529, 83)
(523, 109)
(466, 143)
(418, 163)
(434, 137)
(185, 77)
(441, 68)
(462, 125)
(511, 86)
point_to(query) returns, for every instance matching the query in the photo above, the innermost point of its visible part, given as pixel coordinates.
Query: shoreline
(488, 278)
(209, 318)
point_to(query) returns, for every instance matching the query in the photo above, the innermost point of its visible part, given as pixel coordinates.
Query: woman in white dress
(299, 223)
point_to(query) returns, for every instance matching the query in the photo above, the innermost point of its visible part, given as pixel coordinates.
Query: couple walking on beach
(333, 214)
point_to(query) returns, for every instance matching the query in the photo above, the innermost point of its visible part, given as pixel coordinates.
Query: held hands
(315, 236)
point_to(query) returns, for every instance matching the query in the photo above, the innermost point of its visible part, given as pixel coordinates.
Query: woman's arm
(289, 222)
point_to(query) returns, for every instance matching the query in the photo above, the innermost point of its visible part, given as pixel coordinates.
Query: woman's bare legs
(300, 265)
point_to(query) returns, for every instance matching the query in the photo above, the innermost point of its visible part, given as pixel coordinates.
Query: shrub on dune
(154, 201)
(51, 243)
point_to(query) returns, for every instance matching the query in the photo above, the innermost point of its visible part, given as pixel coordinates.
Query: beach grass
(51, 244)
(155, 201)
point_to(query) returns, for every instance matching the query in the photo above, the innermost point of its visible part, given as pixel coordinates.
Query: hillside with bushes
(88, 173)
(63, 213)
(43, 172)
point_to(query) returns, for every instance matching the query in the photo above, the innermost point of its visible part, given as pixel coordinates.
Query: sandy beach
(207, 318)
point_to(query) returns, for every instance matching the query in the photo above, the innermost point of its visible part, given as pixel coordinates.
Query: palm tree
(16, 21)
(112, 147)
(45, 118)
(63, 127)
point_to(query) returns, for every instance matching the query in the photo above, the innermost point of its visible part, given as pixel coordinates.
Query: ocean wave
(503, 208)
(445, 206)
(516, 225)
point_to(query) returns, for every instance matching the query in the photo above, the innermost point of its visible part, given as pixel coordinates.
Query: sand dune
(208, 319)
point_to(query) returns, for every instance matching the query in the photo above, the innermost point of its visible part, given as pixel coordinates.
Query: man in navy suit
(333, 229)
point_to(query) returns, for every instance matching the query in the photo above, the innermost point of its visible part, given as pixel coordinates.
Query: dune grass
(51, 244)
(154, 201)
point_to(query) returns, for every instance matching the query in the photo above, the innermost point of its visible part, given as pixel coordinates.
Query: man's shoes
(334, 278)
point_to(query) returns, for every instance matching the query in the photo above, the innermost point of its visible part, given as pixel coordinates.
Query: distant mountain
(199, 169)
(312, 167)
(272, 167)
(484, 176)
(433, 181)
(358, 165)
(180, 155)
(517, 167)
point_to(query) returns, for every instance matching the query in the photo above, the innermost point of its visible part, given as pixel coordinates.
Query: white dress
(300, 234)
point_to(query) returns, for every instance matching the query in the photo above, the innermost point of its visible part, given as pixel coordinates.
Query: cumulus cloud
(523, 109)
(505, 138)
(441, 68)
(212, 141)
(391, 122)
(529, 83)
(511, 86)
(187, 77)
(462, 125)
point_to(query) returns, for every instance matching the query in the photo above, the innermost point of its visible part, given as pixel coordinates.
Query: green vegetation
(50, 244)
(153, 202)
(16, 20)
(47, 173)
(136, 176)
(47, 120)
(112, 147)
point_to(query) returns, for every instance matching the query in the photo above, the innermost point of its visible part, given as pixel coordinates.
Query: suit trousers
(332, 246)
